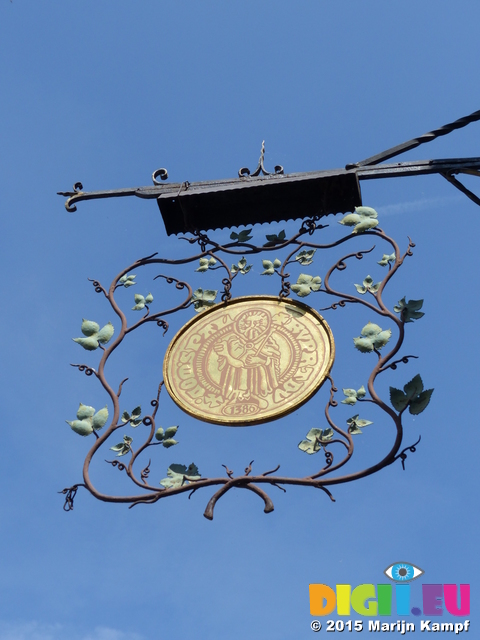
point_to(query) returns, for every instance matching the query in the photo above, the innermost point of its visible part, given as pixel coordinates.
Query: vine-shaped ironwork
(301, 251)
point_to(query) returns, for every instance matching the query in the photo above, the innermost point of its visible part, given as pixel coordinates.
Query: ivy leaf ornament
(270, 267)
(355, 423)
(352, 396)
(94, 335)
(409, 311)
(205, 264)
(363, 219)
(372, 337)
(179, 474)
(241, 267)
(127, 281)
(243, 236)
(203, 298)
(305, 257)
(413, 396)
(368, 286)
(275, 238)
(123, 447)
(306, 284)
(386, 259)
(315, 439)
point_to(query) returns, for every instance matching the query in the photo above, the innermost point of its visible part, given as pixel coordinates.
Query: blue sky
(106, 93)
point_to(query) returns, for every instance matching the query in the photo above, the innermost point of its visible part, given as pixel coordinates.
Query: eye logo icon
(403, 572)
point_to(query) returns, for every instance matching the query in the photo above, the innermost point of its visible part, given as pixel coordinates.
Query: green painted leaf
(305, 257)
(306, 284)
(363, 423)
(398, 399)
(118, 447)
(409, 311)
(192, 470)
(364, 345)
(135, 422)
(203, 265)
(373, 338)
(351, 396)
(354, 430)
(414, 387)
(82, 427)
(361, 393)
(360, 289)
(170, 432)
(355, 422)
(244, 235)
(367, 212)
(127, 439)
(159, 433)
(350, 220)
(169, 442)
(209, 295)
(203, 299)
(179, 474)
(413, 396)
(381, 339)
(365, 225)
(125, 416)
(137, 412)
(363, 219)
(100, 418)
(276, 239)
(90, 344)
(84, 411)
(140, 302)
(128, 281)
(149, 299)
(241, 266)
(89, 327)
(419, 403)
(368, 285)
(309, 447)
(178, 468)
(370, 330)
(105, 333)
(315, 439)
(386, 259)
(268, 268)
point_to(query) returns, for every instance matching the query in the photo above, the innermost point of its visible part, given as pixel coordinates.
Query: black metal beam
(273, 198)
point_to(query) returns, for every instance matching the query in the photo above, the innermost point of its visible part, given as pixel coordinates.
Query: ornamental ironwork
(247, 360)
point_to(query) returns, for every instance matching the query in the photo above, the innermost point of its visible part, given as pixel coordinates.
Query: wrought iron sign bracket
(253, 198)
(243, 361)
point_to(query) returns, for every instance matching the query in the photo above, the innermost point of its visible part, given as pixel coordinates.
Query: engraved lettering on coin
(249, 360)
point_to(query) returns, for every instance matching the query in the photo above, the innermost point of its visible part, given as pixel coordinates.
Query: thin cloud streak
(416, 205)
(39, 631)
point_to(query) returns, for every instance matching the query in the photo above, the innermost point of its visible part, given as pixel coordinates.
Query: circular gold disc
(249, 360)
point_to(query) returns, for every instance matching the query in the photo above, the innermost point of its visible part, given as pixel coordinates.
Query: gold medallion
(249, 360)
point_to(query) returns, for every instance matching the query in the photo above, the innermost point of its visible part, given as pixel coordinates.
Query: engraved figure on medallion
(249, 362)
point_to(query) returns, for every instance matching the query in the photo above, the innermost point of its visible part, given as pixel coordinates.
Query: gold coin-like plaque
(249, 360)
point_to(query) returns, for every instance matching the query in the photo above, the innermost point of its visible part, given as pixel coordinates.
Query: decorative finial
(244, 172)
